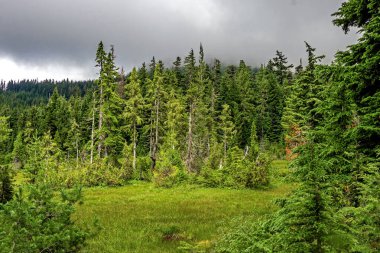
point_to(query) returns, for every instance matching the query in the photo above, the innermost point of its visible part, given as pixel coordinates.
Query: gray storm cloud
(67, 32)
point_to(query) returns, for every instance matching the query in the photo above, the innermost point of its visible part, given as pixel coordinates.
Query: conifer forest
(198, 155)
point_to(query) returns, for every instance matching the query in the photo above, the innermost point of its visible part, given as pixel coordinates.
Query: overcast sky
(58, 38)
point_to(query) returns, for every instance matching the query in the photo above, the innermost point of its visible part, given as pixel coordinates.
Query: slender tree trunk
(155, 147)
(101, 137)
(151, 137)
(77, 146)
(92, 133)
(134, 150)
(246, 150)
(225, 145)
(189, 158)
(155, 137)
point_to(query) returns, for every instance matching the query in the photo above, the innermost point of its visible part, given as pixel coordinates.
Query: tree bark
(101, 137)
(134, 149)
(189, 158)
(92, 133)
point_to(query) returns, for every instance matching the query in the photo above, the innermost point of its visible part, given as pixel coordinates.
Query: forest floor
(143, 218)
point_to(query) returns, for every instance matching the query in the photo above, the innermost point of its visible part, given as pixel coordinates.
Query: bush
(242, 237)
(144, 166)
(259, 173)
(170, 169)
(236, 171)
(38, 222)
(96, 174)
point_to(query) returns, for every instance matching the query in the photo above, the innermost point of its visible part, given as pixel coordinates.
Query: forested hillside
(188, 118)
(210, 124)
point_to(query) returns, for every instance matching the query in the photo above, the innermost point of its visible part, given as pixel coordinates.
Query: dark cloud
(66, 32)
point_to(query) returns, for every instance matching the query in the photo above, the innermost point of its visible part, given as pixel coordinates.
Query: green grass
(142, 218)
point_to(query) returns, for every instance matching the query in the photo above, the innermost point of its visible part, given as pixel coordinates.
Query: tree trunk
(101, 137)
(92, 133)
(134, 149)
(155, 138)
(189, 158)
(77, 147)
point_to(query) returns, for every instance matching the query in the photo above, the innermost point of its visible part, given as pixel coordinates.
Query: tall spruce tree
(156, 94)
(133, 110)
(5, 180)
(100, 60)
(363, 60)
(307, 220)
(245, 104)
(110, 108)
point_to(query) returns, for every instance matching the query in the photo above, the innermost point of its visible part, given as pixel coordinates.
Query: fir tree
(5, 180)
(133, 110)
(227, 128)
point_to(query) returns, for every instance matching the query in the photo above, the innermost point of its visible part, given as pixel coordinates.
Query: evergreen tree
(178, 73)
(281, 68)
(263, 119)
(40, 222)
(191, 100)
(297, 106)
(363, 61)
(254, 143)
(227, 128)
(246, 109)
(110, 108)
(100, 61)
(5, 181)
(133, 110)
(308, 221)
(198, 137)
(156, 94)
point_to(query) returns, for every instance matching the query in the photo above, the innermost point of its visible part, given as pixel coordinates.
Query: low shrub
(236, 171)
(170, 169)
(39, 222)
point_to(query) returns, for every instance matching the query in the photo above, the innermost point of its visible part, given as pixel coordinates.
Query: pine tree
(156, 94)
(281, 68)
(254, 142)
(5, 181)
(110, 107)
(227, 128)
(363, 61)
(191, 97)
(263, 120)
(308, 220)
(297, 106)
(38, 220)
(178, 73)
(133, 110)
(100, 61)
(198, 137)
(246, 110)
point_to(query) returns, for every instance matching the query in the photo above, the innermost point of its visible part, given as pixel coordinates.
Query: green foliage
(243, 238)
(170, 169)
(237, 171)
(38, 222)
(121, 119)
(43, 155)
(254, 147)
(5, 181)
(6, 189)
(260, 172)
(99, 173)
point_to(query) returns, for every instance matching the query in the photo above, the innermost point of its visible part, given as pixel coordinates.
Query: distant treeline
(34, 92)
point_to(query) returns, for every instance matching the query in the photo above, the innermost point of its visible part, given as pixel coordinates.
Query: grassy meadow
(140, 217)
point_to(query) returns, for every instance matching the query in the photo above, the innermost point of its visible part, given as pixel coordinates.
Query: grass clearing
(142, 218)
